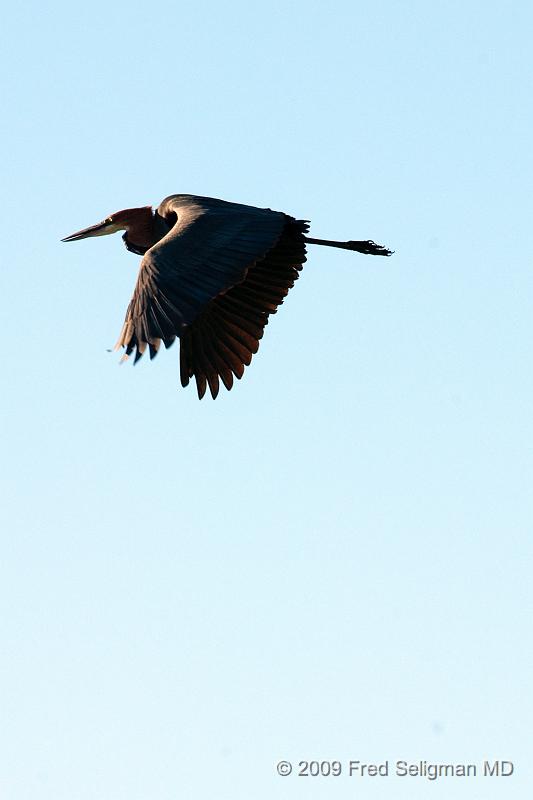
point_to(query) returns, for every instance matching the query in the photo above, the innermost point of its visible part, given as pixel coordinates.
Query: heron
(212, 273)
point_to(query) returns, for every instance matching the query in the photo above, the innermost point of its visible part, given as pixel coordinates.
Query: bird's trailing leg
(367, 247)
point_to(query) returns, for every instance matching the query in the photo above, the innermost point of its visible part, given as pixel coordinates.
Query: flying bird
(212, 273)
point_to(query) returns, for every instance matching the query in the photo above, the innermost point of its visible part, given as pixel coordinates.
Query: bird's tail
(368, 247)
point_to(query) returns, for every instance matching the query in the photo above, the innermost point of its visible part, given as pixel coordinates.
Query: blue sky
(333, 560)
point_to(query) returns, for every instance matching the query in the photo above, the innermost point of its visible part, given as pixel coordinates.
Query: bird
(212, 273)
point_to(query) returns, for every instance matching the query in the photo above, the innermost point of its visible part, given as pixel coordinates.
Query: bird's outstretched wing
(212, 280)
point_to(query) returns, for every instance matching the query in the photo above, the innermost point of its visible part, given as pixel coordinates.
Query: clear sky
(332, 561)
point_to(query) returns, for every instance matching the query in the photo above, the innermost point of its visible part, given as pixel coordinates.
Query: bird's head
(130, 219)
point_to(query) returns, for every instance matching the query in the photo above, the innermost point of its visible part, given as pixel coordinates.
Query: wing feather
(209, 249)
(236, 319)
(212, 280)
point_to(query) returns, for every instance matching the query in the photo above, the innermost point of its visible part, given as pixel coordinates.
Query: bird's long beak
(101, 229)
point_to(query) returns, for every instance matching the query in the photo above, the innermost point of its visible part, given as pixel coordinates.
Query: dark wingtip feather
(138, 356)
(201, 384)
(214, 384)
(153, 350)
(184, 371)
(227, 378)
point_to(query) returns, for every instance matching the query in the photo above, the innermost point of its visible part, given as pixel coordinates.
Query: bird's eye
(109, 219)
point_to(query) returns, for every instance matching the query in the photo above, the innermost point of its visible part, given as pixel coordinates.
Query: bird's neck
(140, 232)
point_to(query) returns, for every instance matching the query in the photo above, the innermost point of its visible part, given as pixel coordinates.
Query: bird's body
(212, 272)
